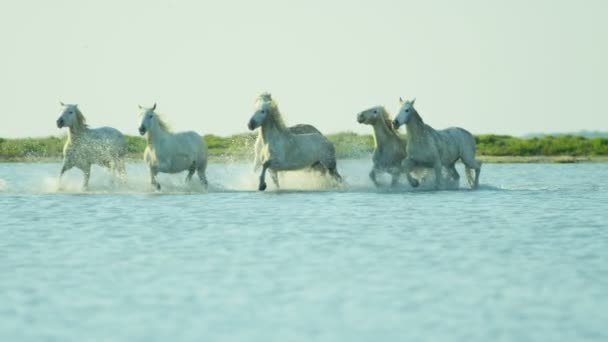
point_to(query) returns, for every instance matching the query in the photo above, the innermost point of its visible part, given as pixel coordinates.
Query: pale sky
(507, 67)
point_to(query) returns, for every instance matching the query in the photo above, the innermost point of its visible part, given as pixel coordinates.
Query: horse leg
(122, 171)
(66, 166)
(191, 170)
(257, 149)
(117, 167)
(256, 164)
(201, 174)
(438, 175)
(408, 167)
(453, 172)
(332, 167)
(372, 176)
(265, 166)
(275, 178)
(153, 173)
(87, 175)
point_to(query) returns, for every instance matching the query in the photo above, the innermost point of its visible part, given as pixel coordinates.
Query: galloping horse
(259, 141)
(285, 151)
(104, 146)
(171, 152)
(389, 147)
(430, 148)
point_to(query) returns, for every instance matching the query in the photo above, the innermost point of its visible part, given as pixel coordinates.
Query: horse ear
(62, 104)
(400, 100)
(140, 107)
(154, 107)
(414, 100)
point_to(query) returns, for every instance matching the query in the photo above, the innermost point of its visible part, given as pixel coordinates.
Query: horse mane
(388, 122)
(415, 113)
(266, 99)
(162, 123)
(81, 121)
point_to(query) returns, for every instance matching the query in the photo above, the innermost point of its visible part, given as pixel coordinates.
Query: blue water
(525, 258)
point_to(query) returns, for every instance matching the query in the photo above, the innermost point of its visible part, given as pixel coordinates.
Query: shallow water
(525, 258)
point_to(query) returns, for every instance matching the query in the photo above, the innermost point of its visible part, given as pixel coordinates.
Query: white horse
(171, 152)
(259, 141)
(286, 151)
(389, 147)
(104, 146)
(427, 147)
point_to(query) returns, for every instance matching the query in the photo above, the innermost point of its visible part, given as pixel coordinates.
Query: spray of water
(223, 177)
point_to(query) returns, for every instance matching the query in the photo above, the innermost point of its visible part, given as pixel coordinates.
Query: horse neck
(77, 130)
(382, 133)
(156, 134)
(271, 130)
(415, 125)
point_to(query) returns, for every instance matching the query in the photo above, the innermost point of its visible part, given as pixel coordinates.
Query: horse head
(404, 115)
(264, 107)
(370, 116)
(69, 116)
(147, 118)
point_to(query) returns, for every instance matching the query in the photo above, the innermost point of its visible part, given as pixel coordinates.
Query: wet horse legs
(265, 166)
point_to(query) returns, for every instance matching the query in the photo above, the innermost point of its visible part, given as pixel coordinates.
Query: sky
(505, 67)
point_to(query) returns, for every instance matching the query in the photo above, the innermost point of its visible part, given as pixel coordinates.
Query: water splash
(222, 177)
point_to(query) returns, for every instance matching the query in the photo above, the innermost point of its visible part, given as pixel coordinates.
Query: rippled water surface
(524, 258)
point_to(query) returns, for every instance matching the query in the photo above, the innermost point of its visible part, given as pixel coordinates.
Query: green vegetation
(31, 148)
(566, 145)
(348, 145)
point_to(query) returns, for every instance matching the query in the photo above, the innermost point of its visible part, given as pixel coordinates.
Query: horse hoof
(262, 186)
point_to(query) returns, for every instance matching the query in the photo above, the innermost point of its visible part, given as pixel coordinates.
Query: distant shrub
(23, 148)
(494, 145)
(351, 145)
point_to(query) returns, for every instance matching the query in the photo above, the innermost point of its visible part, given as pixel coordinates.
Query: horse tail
(332, 155)
(468, 159)
(334, 172)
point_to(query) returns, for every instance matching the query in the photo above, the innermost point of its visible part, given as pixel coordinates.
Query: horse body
(389, 147)
(292, 151)
(283, 150)
(160, 152)
(435, 149)
(259, 142)
(168, 152)
(104, 146)
(101, 146)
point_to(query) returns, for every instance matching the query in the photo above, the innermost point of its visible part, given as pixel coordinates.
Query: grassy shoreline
(239, 147)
